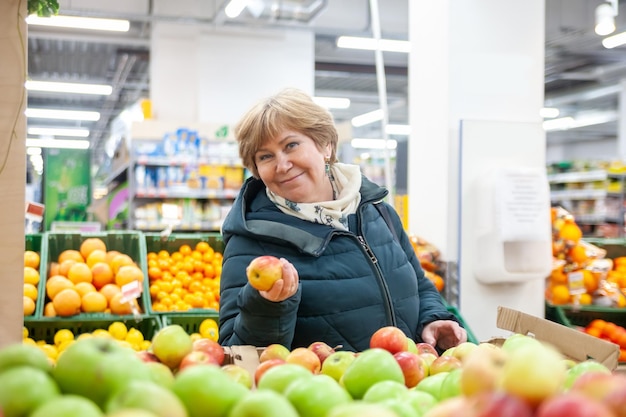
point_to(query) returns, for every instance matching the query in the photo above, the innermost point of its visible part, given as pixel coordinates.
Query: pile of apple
(395, 377)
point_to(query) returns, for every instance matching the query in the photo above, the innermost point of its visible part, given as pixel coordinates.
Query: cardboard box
(245, 356)
(572, 343)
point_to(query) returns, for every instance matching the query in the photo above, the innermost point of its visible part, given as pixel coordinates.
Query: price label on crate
(131, 291)
(576, 281)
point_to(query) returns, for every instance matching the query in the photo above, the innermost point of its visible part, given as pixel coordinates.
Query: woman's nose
(283, 163)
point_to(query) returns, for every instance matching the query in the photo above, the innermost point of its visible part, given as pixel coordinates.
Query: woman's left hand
(444, 334)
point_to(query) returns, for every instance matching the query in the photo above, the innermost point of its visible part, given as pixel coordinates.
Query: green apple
(239, 374)
(369, 367)
(360, 408)
(278, 378)
(131, 412)
(23, 354)
(432, 384)
(336, 364)
(451, 385)
(103, 362)
(68, 405)
(384, 390)
(400, 407)
(171, 344)
(421, 401)
(147, 395)
(517, 340)
(23, 389)
(573, 373)
(263, 403)
(316, 396)
(161, 373)
(206, 391)
(411, 345)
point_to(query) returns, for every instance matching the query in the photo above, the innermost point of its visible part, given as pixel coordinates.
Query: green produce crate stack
(581, 316)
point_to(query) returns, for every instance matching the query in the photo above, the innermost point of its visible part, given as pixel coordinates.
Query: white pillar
(470, 60)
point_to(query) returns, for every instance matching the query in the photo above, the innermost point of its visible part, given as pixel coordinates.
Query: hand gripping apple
(264, 271)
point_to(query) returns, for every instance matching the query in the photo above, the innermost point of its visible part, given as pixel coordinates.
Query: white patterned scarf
(346, 182)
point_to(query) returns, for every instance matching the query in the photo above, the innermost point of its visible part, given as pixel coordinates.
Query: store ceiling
(579, 73)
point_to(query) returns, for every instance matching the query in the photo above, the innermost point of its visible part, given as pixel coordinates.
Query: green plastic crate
(37, 243)
(171, 243)
(46, 327)
(190, 321)
(457, 313)
(573, 316)
(131, 243)
(614, 247)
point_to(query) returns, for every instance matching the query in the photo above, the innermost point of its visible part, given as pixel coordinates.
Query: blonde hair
(290, 109)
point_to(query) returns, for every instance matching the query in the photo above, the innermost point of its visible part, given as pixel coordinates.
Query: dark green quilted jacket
(351, 282)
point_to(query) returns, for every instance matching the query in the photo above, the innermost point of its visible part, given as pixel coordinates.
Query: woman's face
(292, 166)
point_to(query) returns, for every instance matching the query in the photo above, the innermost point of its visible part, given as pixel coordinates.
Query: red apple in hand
(413, 366)
(322, 350)
(196, 357)
(264, 271)
(210, 347)
(390, 338)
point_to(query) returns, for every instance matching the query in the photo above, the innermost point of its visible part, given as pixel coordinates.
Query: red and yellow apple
(264, 271)
(390, 338)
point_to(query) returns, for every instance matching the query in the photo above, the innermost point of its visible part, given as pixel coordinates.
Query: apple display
(206, 391)
(274, 351)
(390, 338)
(211, 347)
(161, 374)
(597, 385)
(316, 396)
(131, 412)
(444, 364)
(238, 374)
(22, 354)
(414, 367)
(278, 378)
(421, 401)
(68, 406)
(533, 372)
(451, 385)
(24, 388)
(147, 395)
(385, 390)
(264, 366)
(264, 271)
(411, 345)
(399, 406)
(196, 357)
(462, 350)
(572, 404)
(580, 368)
(306, 358)
(517, 340)
(429, 358)
(432, 384)
(451, 407)
(147, 356)
(322, 350)
(337, 363)
(482, 369)
(263, 403)
(369, 367)
(104, 362)
(170, 344)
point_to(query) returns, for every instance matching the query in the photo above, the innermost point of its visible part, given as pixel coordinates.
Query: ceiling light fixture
(90, 116)
(54, 131)
(234, 8)
(75, 22)
(57, 143)
(367, 118)
(605, 17)
(77, 88)
(362, 143)
(371, 44)
(549, 112)
(614, 41)
(582, 119)
(400, 130)
(332, 102)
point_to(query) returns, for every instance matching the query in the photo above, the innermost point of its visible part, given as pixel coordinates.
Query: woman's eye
(291, 145)
(264, 157)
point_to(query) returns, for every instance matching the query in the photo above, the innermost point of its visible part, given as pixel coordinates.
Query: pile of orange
(185, 279)
(31, 281)
(90, 280)
(610, 331)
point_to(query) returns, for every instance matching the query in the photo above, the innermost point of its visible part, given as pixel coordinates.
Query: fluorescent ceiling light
(581, 120)
(91, 116)
(605, 19)
(332, 102)
(361, 143)
(75, 22)
(562, 123)
(404, 130)
(367, 118)
(54, 87)
(549, 112)
(33, 151)
(234, 8)
(614, 41)
(371, 44)
(58, 143)
(53, 131)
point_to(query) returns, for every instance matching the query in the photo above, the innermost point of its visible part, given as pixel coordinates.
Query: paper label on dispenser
(523, 205)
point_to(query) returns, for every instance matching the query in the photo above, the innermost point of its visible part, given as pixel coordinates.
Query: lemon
(63, 335)
(195, 336)
(64, 344)
(209, 329)
(24, 332)
(51, 351)
(118, 330)
(134, 337)
(29, 341)
(100, 333)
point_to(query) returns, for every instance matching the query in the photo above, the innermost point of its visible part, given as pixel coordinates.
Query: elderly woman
(348, 267)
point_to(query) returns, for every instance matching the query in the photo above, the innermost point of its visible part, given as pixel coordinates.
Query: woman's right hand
(285, 287)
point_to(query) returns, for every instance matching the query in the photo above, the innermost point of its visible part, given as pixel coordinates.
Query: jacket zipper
(390, 313)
